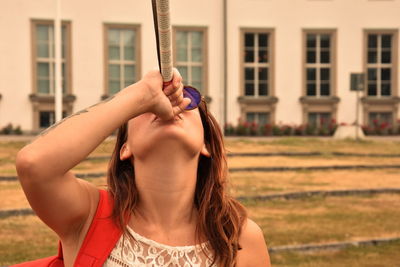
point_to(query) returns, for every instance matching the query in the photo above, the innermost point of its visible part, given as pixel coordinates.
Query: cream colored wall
(286, 17)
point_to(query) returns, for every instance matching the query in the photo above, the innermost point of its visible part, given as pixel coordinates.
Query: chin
(169, 140)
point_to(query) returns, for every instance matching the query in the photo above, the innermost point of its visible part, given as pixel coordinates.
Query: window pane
(114, 71)
(263, 89)
(263, 40)
(385, 74)
(249, 74)
(311, 41)
(311, 56)
(311, 74)
(311, 89)
(114, 53)
(249, 40)
(372, 74)
(325, 57)
(263, 74)
(182, 39)
(199, 86)
(42, 49)
(325, 89)
(114, 87)
(63, 40)
(386, 117)
(249, 88)
(46, 119)
(372, 89)
(262, 118)
(197, 39)
(263, 56)
(249, 55)
(128, 82)
(113, 37)
(325, 74)
(129, 53)
(250, 117)
(182, 54)
(386, 41)
(130, 73)
(324, 118)
(325, 41)
(43, 70)
(386, 89)
(42, 32)
(372, 41)
(312, 118)
(129, 38)
(372, 57)
(184, 73)
(197, 74)
(43, 86)
(196, 55)
(386, 57)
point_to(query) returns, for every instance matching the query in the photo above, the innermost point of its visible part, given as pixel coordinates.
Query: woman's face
(148, 134)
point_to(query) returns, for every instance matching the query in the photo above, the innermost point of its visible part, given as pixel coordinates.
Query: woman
(167, 176)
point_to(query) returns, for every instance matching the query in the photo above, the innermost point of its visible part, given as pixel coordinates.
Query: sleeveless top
(134, 250)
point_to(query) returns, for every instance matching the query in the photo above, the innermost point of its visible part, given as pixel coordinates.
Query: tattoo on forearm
(73, 115)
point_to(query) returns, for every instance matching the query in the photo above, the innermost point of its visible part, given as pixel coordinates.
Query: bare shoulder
(254, 250)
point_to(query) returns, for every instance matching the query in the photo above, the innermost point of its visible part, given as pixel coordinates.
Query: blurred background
(306, 91)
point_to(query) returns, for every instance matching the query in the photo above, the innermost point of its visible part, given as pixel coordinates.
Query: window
(47, 118)
(44, 57)
(318, 64)
(190, 56)
(122, 57)
(318, 119)
(380, 60)
(379, 118)
(257, 63)
(261, 118)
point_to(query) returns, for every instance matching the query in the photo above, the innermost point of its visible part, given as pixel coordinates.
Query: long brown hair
(220, 216)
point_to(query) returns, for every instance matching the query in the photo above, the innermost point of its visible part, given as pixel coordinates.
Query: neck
(166, 183)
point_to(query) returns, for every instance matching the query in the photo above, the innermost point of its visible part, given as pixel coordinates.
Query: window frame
(67, 61)
(393, 64)
(332, 65)
(270, 64)
(138, 53)
(204, 50)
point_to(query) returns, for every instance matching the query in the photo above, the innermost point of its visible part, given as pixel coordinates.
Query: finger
(181, 107)
(176, 94)
(177, 100)
(176, 78)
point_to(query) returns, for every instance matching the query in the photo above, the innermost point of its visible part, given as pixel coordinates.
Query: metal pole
(57, 59)
(357, 111)
(225, 43)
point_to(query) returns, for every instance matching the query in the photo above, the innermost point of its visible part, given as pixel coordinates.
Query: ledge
(329, 100)
(258, 100)
(50, 98)
(391, 100)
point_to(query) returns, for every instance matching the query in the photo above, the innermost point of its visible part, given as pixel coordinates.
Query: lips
(176, 118)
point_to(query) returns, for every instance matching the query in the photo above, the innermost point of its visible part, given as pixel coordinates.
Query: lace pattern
(140, 251)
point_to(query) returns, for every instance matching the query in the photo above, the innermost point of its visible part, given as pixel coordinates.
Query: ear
(125, 152)
(204, 151)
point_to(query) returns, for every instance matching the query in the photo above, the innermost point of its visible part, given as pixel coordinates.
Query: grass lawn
(302, 221)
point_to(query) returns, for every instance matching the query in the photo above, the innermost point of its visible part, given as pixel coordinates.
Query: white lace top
(140, 251)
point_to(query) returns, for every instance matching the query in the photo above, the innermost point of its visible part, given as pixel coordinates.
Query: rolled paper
(164, 32)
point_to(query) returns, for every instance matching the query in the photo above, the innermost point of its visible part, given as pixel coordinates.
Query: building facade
(267, 61)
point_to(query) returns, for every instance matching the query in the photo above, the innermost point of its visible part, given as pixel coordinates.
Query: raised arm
(60, 199)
